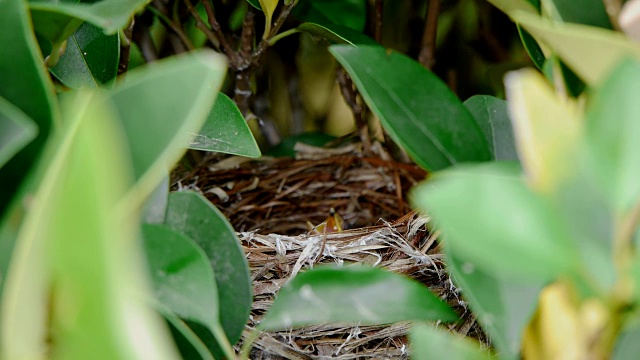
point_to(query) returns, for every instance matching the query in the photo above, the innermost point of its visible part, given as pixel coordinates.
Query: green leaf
(26, 85)
(158, 120)
(490, 218)
(56, 21)
(586, 12)
(415, 107)
(355, 294)
(226, 131)
(255, 4)
(286, 148)
(511, 7)
(591, 52)
(628, 344)
(492, 117)
(90, 58)
(429, 342)
(502, 307)
(532, 47)
(268, 7)
(16, 131)
(77, 270)
(612, 131)
(337, 34)
(193, 215)
(189, 343)
(183, 279)
(155, 207)
(348, 13)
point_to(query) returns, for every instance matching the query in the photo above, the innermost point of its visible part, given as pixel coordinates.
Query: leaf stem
(282, 35)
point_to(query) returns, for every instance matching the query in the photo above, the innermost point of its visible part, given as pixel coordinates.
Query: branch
(211, 36)
(217, 29)
(428, 50)
(173, 27)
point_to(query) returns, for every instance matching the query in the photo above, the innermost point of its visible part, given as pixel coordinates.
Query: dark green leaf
(415, 107)
(161, 106)
(348, 13)
(502, 307)
(337, 34)
(16, 131)
(190, 344)
(613, 130)
(490, 218)
(194, 216)
(533, 48)
(26, 85)
(429, 342)
(183, 280)
(587, 12)
(355, 294)
(287, 145)
(90, 59)
(226, 131)
(255, 4)
(492, 116)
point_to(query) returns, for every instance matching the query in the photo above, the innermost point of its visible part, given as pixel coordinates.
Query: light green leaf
(492, 117)
(226, 131)
(502, 307)
(429, 342)
(56, 21)
(77, 268)
(155, 207)
(268, 7)
(337, 34)
(16, 131)
(546, 129)
(355, 294)
(416, 108)
(193, 215)
(613, 130)
(160, 107)
(90, 59)
(511, 7)
(183, 279)
(591, 52)
(490, 218)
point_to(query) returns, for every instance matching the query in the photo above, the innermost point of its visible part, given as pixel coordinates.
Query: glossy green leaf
(502, 307)
(532, 47)
(157, 119)
(416, 108)
(255, 4)
(226, 131)
(16, 131)
(193, 215)
(56, 21)
(586, 12)
(355, 294)
(491, 115)
(77, 268)
(26, 85)
(337, 34)
(348, 13)
(591, 52)
(490, 218)
(613, 130)
(90, 58)
(183, 279)
(429, 342)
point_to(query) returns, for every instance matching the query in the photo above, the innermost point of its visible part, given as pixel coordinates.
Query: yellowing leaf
(546, 129)
(268, 6)
(589, 51)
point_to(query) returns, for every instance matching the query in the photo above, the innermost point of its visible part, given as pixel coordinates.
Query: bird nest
(272, 203)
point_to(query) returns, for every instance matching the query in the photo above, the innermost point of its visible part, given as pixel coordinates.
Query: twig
(350, 95)
(211, 36)
(377, 30)
(264, 44)
(125, 47)
(142, 38)
(173, 27)
(217, 30)
(428, 50)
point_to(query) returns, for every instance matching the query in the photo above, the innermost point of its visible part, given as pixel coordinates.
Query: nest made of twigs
(271, 202)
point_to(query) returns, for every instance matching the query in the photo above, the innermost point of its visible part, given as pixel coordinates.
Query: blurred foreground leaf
(429, 342)
(355, 294)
